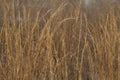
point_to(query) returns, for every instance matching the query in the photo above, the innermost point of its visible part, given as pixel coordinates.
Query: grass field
(61, 42)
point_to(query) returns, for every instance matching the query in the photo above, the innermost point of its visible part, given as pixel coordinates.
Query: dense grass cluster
(60, 43)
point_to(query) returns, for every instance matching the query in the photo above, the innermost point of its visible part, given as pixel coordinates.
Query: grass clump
(61, 44)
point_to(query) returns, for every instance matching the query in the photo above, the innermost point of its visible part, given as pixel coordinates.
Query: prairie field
(59, 40)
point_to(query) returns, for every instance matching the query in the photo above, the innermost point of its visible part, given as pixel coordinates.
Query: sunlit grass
(62, 44)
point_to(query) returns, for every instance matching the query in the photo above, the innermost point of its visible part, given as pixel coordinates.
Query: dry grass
(62, 44)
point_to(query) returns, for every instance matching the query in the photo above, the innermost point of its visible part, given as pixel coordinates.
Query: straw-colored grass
(60, 44)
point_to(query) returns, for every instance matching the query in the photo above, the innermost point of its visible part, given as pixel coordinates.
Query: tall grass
(62, 44)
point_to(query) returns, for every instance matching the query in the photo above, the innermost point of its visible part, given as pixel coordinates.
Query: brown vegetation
(62, 42)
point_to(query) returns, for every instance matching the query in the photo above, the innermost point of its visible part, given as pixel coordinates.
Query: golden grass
(59, 45)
